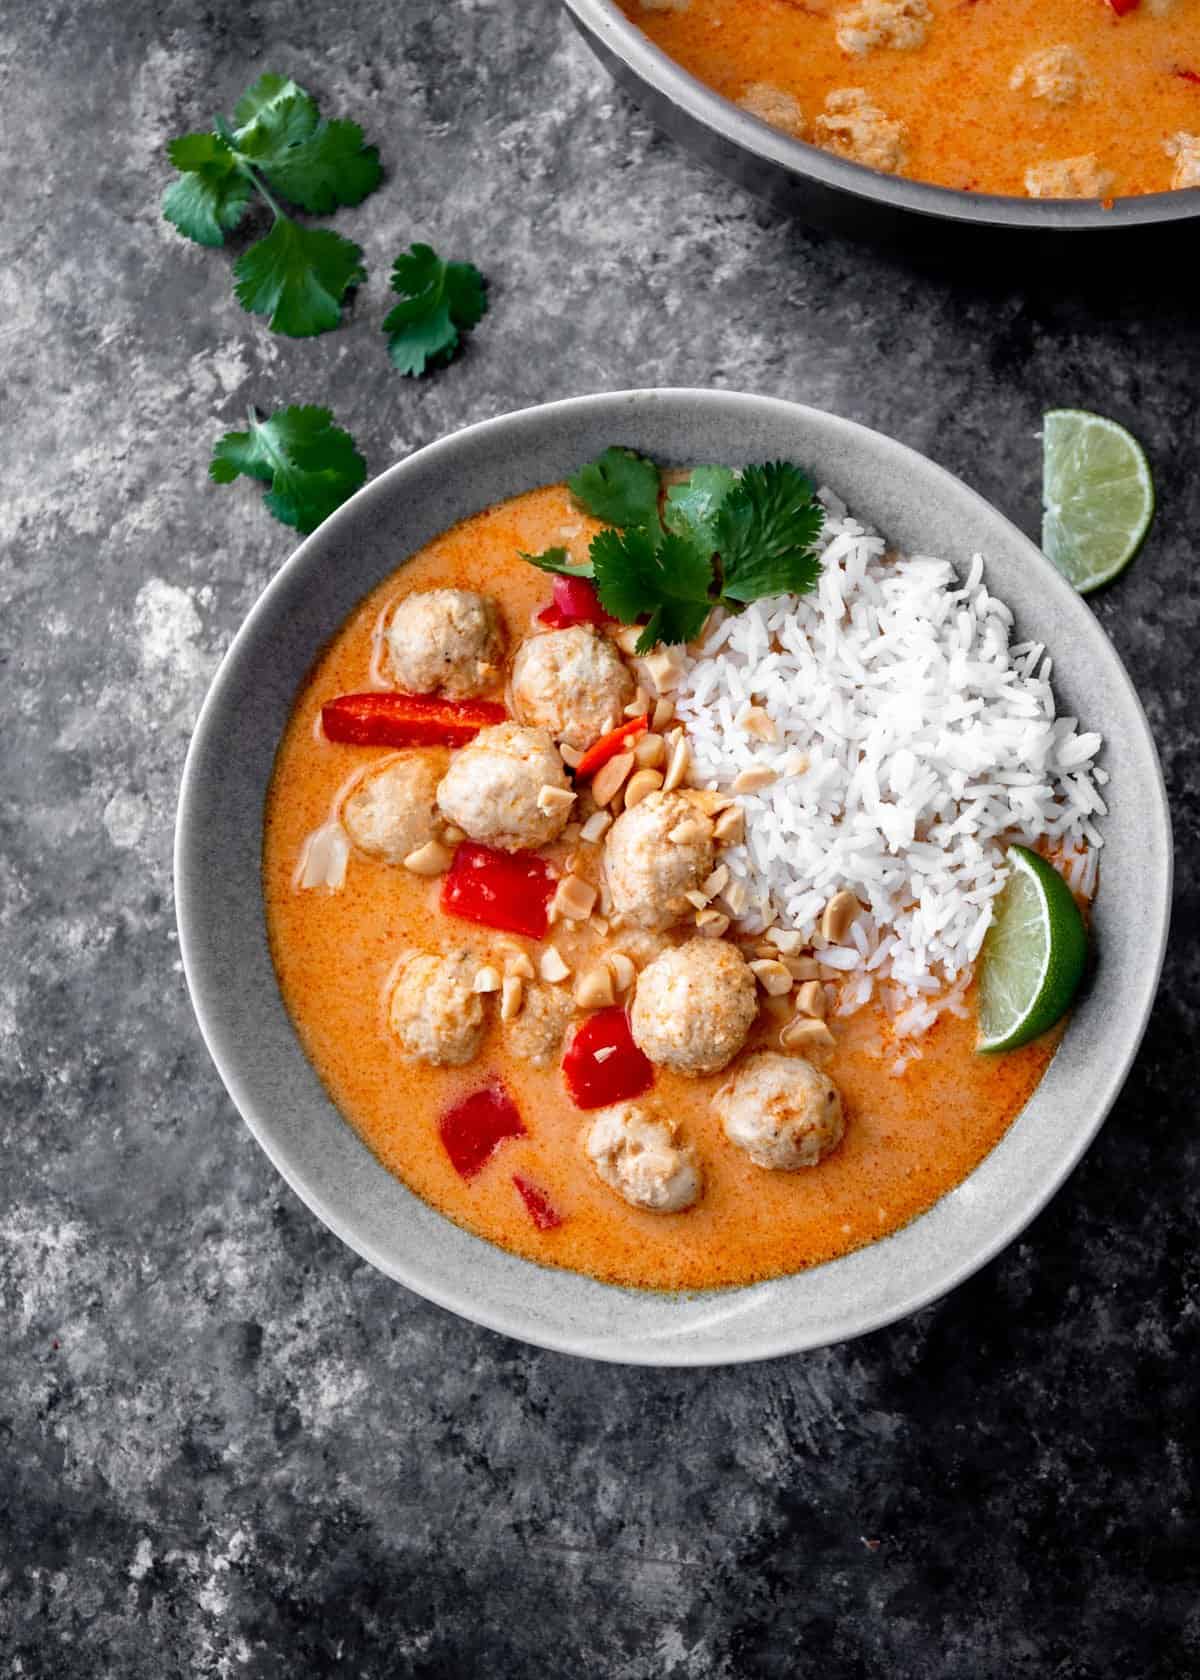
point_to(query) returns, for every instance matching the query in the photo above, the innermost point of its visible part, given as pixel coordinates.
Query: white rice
(913, 743)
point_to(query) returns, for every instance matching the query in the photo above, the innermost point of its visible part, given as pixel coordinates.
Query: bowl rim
(191, 858)
(638, 53)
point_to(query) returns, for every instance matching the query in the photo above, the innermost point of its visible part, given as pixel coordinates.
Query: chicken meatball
(1055, 75)
(853, 126)
(392, 811)
(446, 640)
(867, 24)
(508, 788)
(433, 1010)
(1185, 149)
(654, 855)
(537, 1032)
(772, 105)
(572, 682)
(641, 1159)
(781, 1111)
(694, 1006)
(1075, 177)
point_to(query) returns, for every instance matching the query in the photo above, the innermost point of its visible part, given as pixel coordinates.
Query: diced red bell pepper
(1120, 7)
(541, 1209)
(383, 718)
(603, 1065)
(473, 1130)
(608, 746)
(1187, 75)
(575, 602)
(509, 890)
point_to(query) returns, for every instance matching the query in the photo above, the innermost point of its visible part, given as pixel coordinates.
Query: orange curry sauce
(908, 1140)
(965, 126)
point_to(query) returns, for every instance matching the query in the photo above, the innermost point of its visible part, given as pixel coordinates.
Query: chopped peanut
(552, 966)
(623, 971)
(487, 979)
(811, 999)
(681, 760)
(772, 976)
(571, 756)
(639, 705)
(712, 923)
(753, 778)
(610, 778)
(639, 785)
(429, 859)
(802, 968)
(730, 826)
(596, 827)
(552, 801)
(594, 988)
(755, 721)
(803, 1034)
(664, 711)
(717, 881)
(575, 898)
(651, 752)
(697, 898)
(839, 916)
(627, 637)
(512, 997)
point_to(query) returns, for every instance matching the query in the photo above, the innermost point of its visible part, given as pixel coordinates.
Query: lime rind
(1033, 957)
(1097, 495)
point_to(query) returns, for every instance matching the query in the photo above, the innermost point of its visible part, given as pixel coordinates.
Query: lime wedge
(1097, 496)
(1033, 956)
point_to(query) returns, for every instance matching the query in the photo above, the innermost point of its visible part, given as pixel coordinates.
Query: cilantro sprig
(718, 539)
(440, 301)
(311, 465)
(278, 147)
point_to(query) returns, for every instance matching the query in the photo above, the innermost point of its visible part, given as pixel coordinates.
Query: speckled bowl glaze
(223, 933)
(828, 190)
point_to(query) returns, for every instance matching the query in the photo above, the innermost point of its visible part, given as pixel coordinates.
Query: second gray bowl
(822, 188)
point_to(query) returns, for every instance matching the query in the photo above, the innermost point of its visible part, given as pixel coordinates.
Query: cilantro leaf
(621, 488)
(440, 300)
(210, 196)
(767, 530)
(298, 277)
(316, 163)
(669, 580)
(280, 144)
(558, 561)
(692, 506)
(311, 465)
(330, 167)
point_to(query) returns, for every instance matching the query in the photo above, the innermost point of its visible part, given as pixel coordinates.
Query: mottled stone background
(229, 1446)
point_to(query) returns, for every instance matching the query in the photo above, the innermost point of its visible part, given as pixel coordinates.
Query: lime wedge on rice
(1097, 496)
(1033, 955)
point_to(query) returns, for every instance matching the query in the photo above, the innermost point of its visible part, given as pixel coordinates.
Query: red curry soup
(1037, 98)
(649, 950)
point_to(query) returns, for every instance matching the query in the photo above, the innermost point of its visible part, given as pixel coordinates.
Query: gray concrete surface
(230, 1448)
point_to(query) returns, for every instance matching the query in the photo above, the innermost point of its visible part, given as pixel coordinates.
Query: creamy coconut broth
(1039, 98)
(915, 1121)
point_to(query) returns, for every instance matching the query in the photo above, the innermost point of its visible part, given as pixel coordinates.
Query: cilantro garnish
(668, 579)
(311, 465)
(558, 560)
(620, 488)
(723, 540)
(766, 530)
(279, 144)
(692, 506)
(440, 301)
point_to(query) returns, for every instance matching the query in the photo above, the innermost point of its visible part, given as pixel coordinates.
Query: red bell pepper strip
(608, 746)
(473, 1130)
(383, 718)
(499, 889)
(575, 602)
(541, 1209)
(603, 1065)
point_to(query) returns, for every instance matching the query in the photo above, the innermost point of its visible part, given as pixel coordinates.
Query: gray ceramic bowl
(228, 967)
(811, 182)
